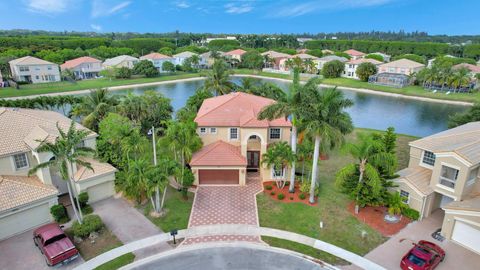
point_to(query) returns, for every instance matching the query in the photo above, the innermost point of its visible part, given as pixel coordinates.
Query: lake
(407, 116)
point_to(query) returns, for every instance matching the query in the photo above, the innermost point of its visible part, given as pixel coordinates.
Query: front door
(253, 160)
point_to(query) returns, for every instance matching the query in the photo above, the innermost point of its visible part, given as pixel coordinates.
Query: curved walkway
(237, 229)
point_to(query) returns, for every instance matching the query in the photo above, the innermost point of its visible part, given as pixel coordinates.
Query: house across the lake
(25, 199)
(157, 60)
(34, 70)
(396, 73)
(443, 175)
(179, 58)
(354, 54)
(234, 140)
(121, 61)
(84, 67)
(351, 66)
(235, 54)
(323, 60)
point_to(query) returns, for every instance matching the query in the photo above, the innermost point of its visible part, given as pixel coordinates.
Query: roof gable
(78, 61)
(353, 52)
(155, 56)
(30, 60)
(218, 153)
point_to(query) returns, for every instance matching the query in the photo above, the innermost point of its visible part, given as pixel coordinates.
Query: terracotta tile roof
(236, 52)
(155, 56)
(219, 153)
(99, 169)
(20, 190)
(472, 68)
(364, 60)
(78, 61)
(30, 60)
(417, 177)
(236, 110)
(20, 128)
(353, 52)
(463, 140)
(403, 63)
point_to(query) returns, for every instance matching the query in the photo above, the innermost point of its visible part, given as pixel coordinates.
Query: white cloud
(48, 6)
(102, 9)
(182, 4)
(324, 5)
(96, 27)
(238, 9)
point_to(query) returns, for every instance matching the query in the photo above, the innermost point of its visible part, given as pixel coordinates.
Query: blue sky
(243, 16)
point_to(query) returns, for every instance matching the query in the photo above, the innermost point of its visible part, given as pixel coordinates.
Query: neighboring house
(34, 70)
(431, 61)
(303, 56)
(322, 60)
(234, 140)
(158, 59)
(352, 65)
(442, 175)
(179, 58)
(472, 68)
(326, 51)
(386, 57)
(25, 200)
(354, 54)
(274, 58)
(235, 54)
(83, 67)
(120, 61)
(401, 66)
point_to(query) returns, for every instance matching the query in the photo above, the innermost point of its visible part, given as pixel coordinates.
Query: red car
(54, 244)
(423, 256)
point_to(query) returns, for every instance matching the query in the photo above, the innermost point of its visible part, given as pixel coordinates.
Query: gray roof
(186, 54)
(329, 58)
(119, 59)
(30, 60)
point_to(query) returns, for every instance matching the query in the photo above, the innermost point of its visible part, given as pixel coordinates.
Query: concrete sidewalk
(128, 224)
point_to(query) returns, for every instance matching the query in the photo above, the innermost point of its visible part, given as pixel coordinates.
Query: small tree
(252, 60)
(333, 69)
(168, 66)
(146, 68)
(123, 73)
(280, 156)
(365, 70)
(396, 204)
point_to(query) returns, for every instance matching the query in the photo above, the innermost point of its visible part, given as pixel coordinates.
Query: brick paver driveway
(226, 205)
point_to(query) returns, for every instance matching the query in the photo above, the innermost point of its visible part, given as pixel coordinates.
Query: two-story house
(354, 54)
(84, 67)
(235, 54)
(351, 66)
(443, 174)
(234, 140)
(25, 200)
(179, 58)
(34, 70)
(120, 61)
(157, 60)
(401, 66)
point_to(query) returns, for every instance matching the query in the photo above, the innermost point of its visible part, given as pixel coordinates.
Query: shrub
(146, 68)
(305, 187)
(83, 199)
(287, 183)
(411, 213)
(272, 193)
(375, 56)
(59, 213)
(333, 69)
(123, 73)
(302, 196)
(91, 223)
(268, 187)
(281, 196)
(365, 70)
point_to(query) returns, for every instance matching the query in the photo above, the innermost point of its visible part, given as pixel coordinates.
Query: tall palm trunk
(72, 201)
(313, 183)
(76, 197)
(163, 197)
(294, 150)
(157, 199)
(360, 180)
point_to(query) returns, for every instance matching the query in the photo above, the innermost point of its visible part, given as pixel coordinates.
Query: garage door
(24, 220)
(218, 177)
(467, 235)
(101, 191)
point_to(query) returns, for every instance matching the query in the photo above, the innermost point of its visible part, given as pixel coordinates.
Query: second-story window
(203, 130)
(448, 176)
(428, 158)
(472, 177)
(213, 130)
(275, 134)
(23, 68)
(21, 161)
(405, 196)
(233, 133)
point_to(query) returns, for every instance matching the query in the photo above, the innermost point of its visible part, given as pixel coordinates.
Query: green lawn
(178, 211)
(117, 262)
(340, 227)
(347, 82)
(36, 89)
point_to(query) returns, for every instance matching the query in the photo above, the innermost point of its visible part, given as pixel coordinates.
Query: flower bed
(283, 195)
(374, 217)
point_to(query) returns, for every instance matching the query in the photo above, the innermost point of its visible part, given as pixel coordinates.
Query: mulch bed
(289, 197)
(374, 217)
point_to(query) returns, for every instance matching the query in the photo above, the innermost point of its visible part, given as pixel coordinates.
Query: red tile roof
(219, 153)
(236, 110)
(236, 52)
(472, 68)
(78, 61)
(154, 56)
(353, 52)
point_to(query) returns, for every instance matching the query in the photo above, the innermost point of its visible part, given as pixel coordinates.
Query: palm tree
(218, 79)
(289, 108)
(66, 152)
(94, 107)
(247, 84)
(137, 178)
(370, 157)
(195, 60)
(324, 119)
(279, 156)
(460, 78)
(158, 178)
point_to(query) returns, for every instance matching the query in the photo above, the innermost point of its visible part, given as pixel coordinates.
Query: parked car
(54, 244)
(423, 256)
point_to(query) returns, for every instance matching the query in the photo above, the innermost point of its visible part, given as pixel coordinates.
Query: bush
(168, 66)
(375, 56)
(272, 193)
(59, 213)
(83, 199)
(281, 196)
(411, 213)
(302, 196)
(268, 187)
(91, 223)
(146, 68)
(333, 69)
(365, 70)
(123, 73)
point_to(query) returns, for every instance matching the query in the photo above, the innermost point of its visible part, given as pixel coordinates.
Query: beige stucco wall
(416, 200)
(452, 162)
(415, 156)
(36, 70)
(449, 222)
(98, 188)
(242, 174)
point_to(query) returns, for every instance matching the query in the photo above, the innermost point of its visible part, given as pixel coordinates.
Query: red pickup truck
(54, 244)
